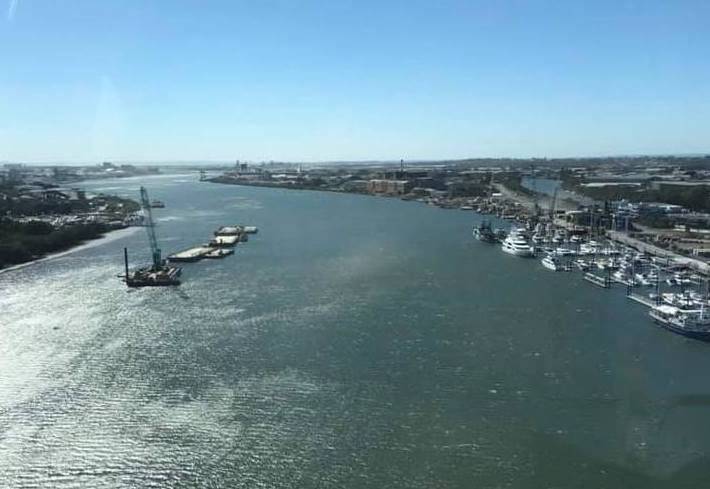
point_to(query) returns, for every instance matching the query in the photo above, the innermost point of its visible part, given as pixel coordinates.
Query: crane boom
(150, 229)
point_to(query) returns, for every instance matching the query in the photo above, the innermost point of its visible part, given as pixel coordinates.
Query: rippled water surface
(353, 342)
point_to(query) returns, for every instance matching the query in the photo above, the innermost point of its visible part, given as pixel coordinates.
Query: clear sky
(147, 80)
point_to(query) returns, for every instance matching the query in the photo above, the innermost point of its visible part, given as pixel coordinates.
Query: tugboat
(484, 232)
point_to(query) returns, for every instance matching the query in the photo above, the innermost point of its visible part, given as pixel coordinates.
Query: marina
(604, 262)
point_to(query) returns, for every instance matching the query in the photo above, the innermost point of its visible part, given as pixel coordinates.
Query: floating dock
(646, 301)
(602, 282)
(628, 283)
(191, 254)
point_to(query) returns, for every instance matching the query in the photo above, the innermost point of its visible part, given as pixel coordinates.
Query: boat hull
(484, 238)
(696, 335)
(520, 253)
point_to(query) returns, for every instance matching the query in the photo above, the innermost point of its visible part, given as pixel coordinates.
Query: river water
(353, 342)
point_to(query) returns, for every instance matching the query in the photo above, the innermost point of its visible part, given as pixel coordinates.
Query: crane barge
(159, 273)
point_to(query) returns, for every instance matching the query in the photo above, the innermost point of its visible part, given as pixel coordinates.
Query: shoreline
(449, 203)
(402, 197)
(105, 238)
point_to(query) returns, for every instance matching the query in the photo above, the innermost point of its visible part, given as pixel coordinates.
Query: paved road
(644, 247)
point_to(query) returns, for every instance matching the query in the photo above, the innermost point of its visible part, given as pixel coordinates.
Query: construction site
(163, 272)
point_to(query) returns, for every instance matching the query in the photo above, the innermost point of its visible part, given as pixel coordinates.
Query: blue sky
(159, 80)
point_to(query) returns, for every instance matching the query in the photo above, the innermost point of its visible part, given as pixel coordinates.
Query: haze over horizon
(351, 81)
(374, 161)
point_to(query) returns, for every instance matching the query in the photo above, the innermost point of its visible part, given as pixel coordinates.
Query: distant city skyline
(309, 81)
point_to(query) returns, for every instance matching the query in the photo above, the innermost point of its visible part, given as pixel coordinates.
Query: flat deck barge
(148, 277)
(190, 254)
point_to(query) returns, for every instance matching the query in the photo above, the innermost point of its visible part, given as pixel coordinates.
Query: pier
(603, 282)
(642, 300)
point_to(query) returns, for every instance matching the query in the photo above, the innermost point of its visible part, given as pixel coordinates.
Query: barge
(225, 240)
(219, 253)
(153, 276)
(190, 254)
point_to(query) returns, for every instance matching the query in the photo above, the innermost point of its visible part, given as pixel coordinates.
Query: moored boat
(552, 263)
(219, 253)
(691, 323)
(517, 244)
(484, 232)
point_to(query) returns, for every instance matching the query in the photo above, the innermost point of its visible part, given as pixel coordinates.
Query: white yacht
(647, 279)
(517, 244)
(588, 248)
(551, 263)
(621, 275)
(560, 251)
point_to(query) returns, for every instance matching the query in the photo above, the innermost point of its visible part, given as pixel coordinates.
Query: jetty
(603, 282)
(646, 301)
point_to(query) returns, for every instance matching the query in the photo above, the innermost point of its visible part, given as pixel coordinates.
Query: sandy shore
(107, 238)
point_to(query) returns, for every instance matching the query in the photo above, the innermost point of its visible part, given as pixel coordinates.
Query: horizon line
(164, 162)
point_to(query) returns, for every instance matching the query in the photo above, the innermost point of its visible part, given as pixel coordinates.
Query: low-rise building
(389, 187)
